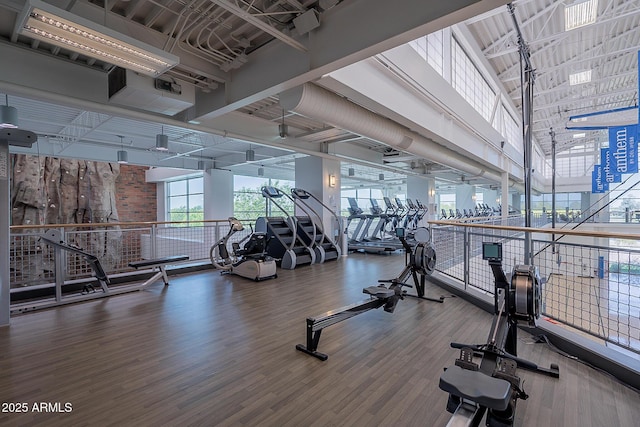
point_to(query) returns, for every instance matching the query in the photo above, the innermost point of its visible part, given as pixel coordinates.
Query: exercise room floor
(212, 350)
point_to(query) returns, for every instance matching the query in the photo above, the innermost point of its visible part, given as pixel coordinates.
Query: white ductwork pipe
(313, 101)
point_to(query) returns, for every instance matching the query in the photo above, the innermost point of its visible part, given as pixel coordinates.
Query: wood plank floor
(215, 350)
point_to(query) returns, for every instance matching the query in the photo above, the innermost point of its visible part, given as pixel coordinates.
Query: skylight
(580, 77)
(579, 14)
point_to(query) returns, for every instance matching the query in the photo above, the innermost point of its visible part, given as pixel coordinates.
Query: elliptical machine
(493, 386)
(250, 261)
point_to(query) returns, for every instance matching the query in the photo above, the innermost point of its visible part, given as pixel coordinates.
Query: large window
(447, 201)
(363, 197)
(185, 199)
(469, 82)
(575, 166)
(431, 49)
(504, 123)
(566, 203)
(248, 202)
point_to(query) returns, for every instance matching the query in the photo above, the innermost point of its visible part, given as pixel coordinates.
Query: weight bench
(159, 264)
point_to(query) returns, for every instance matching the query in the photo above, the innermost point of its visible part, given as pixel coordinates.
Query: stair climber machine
(493, 385)
(325, 247)
(421, 263)
(251, 261)
(284, 243)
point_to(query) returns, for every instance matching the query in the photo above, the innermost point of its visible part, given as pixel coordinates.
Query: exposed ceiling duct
(313, 101)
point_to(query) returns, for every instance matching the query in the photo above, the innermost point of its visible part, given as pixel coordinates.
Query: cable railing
(588, 285)
(32, 260)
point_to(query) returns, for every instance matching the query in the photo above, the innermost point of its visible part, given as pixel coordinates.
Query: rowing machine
(493, 386)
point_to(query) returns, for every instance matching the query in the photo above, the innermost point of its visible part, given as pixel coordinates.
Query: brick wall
(135, 198)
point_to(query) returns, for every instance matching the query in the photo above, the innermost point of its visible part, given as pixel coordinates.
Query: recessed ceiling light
(580, 77)
(580, 13)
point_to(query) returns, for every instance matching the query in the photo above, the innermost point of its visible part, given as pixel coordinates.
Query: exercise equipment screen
(492, 251)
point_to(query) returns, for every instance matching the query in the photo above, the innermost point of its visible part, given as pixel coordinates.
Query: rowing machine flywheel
(424, 258)
(526, 294)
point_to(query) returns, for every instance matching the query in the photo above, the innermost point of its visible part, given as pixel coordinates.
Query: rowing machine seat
(476, 386)
(379, 292)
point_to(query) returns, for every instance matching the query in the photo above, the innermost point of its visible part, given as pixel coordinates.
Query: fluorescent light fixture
(579, 135)
(8, 117)
(580, 77)
(580, 13)
(58, 27)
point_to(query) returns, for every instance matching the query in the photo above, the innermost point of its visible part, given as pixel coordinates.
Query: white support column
(490, 197)
(312, 175)
(218, 194)
(5, 284)
(504, 194)
(418, 188)
(598, 201)
(465, 195)
(516, 202)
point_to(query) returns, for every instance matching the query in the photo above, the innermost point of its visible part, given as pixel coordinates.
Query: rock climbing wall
(63, 191)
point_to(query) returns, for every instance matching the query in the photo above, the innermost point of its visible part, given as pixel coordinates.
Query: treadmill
(356, 240)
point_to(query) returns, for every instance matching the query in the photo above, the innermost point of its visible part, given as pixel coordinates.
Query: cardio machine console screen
(492, 251)
(270, 191)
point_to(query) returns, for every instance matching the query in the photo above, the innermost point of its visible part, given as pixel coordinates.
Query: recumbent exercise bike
(493, 386)
(249, 261)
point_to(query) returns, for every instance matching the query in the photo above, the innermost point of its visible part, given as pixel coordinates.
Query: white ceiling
(609, 48)
(238, 66)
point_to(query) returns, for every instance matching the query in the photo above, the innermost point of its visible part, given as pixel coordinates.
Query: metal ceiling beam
(604, 20)
(498, 43)
(512, 74)
(563, 89)
(380, 25)
(494, 12)
(585, 56)
(241, 13)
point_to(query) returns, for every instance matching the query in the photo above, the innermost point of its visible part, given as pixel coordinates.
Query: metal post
(465, 251)
(5, 246)
(8, 137)
(153, 237)
(528, 157)
(527, 122)
(553, 186)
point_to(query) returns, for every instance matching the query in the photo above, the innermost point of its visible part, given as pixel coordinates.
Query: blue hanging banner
(623, 146)
(598, 184)
(606, 162)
